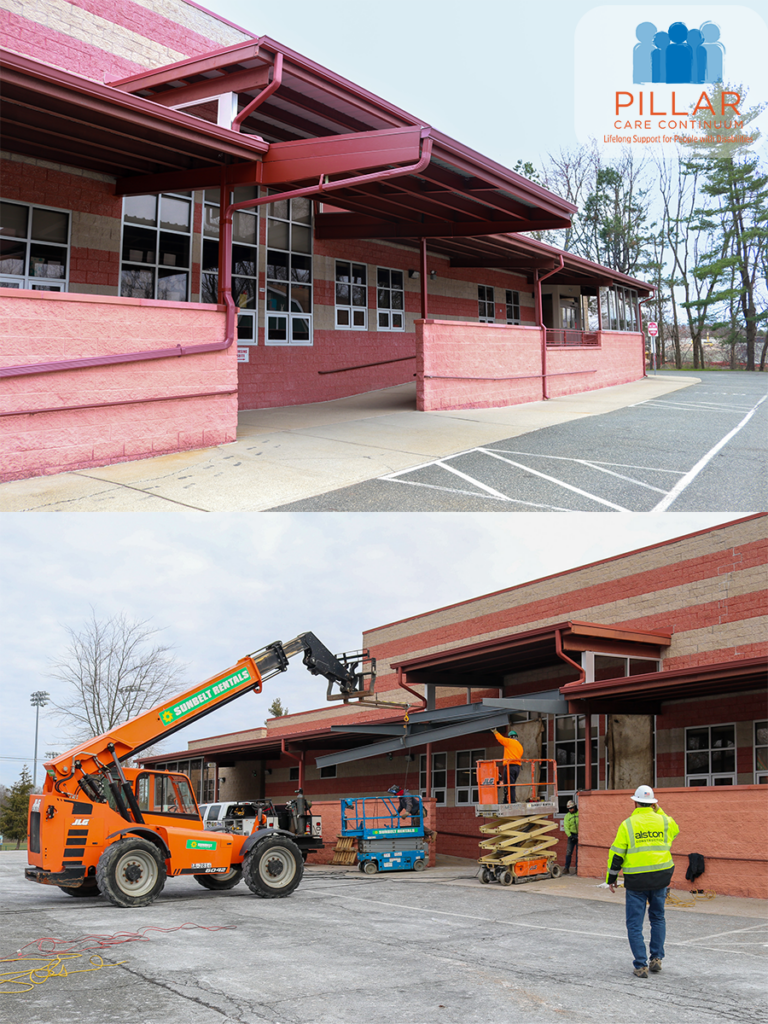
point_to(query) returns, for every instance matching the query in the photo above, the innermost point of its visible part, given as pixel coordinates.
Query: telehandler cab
(100, 827)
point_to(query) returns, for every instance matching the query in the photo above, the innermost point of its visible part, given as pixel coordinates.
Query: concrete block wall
(43, 326)
(726, 825)
(619, 359)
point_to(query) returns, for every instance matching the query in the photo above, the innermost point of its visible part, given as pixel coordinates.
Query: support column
(423, 258)
(588, 750)
(428, 784)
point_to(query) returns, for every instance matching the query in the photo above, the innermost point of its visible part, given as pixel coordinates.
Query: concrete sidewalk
(284, 455)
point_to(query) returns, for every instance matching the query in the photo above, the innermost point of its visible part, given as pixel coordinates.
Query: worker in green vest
(642, 850)
(510, 768)
(571, 826)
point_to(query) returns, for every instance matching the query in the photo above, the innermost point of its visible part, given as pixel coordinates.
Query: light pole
(38, 700)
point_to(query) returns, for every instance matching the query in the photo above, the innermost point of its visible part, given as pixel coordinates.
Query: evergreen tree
(276, 709)
(13, 815)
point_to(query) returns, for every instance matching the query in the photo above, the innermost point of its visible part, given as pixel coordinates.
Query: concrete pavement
(285, 455)
(431, 948)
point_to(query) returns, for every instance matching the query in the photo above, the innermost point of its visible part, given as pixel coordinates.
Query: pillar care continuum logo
(658, 75)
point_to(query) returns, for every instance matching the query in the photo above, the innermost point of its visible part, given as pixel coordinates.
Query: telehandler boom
(100, 827)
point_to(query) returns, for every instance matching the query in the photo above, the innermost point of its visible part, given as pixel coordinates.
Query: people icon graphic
(680, 56)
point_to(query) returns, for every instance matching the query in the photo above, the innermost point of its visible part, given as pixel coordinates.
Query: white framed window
(156, 247)
(289, 272)
(328, 772)
(34, 247)
(245, 259)
(513, 307)
(611, 666)
(439, 778)
(710, 755)
(761, 752)
(390, 300)
(570, 755)
(351, 311)
(466, 775)
(486, 311)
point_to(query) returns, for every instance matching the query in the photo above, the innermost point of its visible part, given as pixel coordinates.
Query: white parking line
(689, 477)
(474, 494)
(694, 406)
(591, 462)
(554, 480)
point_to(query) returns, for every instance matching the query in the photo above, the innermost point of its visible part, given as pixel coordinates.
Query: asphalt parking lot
(699, 449)
(396, 948)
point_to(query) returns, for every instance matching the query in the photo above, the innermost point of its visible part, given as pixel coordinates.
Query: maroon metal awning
(52, 114)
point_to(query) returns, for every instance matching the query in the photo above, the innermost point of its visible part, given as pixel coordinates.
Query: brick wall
(619, 360)
(726, 825)
(43, 326)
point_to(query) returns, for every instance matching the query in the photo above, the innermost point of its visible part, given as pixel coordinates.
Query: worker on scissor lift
(513, 753)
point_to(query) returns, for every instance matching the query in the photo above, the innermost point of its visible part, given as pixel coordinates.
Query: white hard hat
(644, 795)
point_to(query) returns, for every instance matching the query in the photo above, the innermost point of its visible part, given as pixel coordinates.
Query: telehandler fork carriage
(102, 827)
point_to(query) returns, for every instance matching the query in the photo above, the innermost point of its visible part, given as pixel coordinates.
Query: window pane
(722, 736)
(697, 761)
(301, 269)
(565, 728)
(697, 739)
(277, 234)
(301, 298)
(301, 239)
(397, 320)
(342, 271)
(277, 330)
(245, 328)
(47, 261)
(279, 209)
(609, 668)
(140, 210)
(397, 279)
(174, 250)
(277, 296)
(138, 245)
(137, 284)
(244, 227)
(277, 265)
(383, 298)
(761, 733)
(382, 278)
(301, 210)
(243, 193)
(722, 782)
(50, 225)
(358, 317)
(174, 213)
(358, 295)
(342, 318)
(13, 220)
(638, 666)
(299, 328)
(209, 288)
(244, 260)
(13, 256)
(342, 294)
(244, 292)
(211, 221)
(724, 760)
(397, 300)
(172, 286)
(358, 273)
(383, 319)
(210, 257)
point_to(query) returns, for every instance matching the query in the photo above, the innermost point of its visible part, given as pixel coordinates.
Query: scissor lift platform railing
(383, 843)
(517, 841)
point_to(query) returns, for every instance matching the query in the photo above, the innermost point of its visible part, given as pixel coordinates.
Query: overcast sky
(222, 586)
(497, 75)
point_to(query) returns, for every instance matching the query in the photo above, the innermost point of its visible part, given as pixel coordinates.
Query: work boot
(640, 972)
(655, 965)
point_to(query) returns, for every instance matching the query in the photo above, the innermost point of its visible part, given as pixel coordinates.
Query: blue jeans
(636, 901)
(572, 850)
(508, 795)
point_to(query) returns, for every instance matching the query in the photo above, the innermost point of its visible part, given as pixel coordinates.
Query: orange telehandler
(100, 827)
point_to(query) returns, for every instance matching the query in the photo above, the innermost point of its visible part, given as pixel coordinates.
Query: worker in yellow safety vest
(642, 850)
(510, 768)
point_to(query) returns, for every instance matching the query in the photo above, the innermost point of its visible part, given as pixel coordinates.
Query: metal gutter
(539, 313)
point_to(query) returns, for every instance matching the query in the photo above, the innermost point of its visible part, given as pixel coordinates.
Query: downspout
(420, 697)
(273, 86)
(564, 657)
(537, 283)
(284, 749)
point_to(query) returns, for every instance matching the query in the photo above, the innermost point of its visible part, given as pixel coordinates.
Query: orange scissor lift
(518, 843)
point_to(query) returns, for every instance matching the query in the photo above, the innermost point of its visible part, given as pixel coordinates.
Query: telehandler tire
(273, 868)
(228, 881)
(131, 872)
(88, 888)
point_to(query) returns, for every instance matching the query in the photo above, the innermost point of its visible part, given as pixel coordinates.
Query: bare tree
(116, 671)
